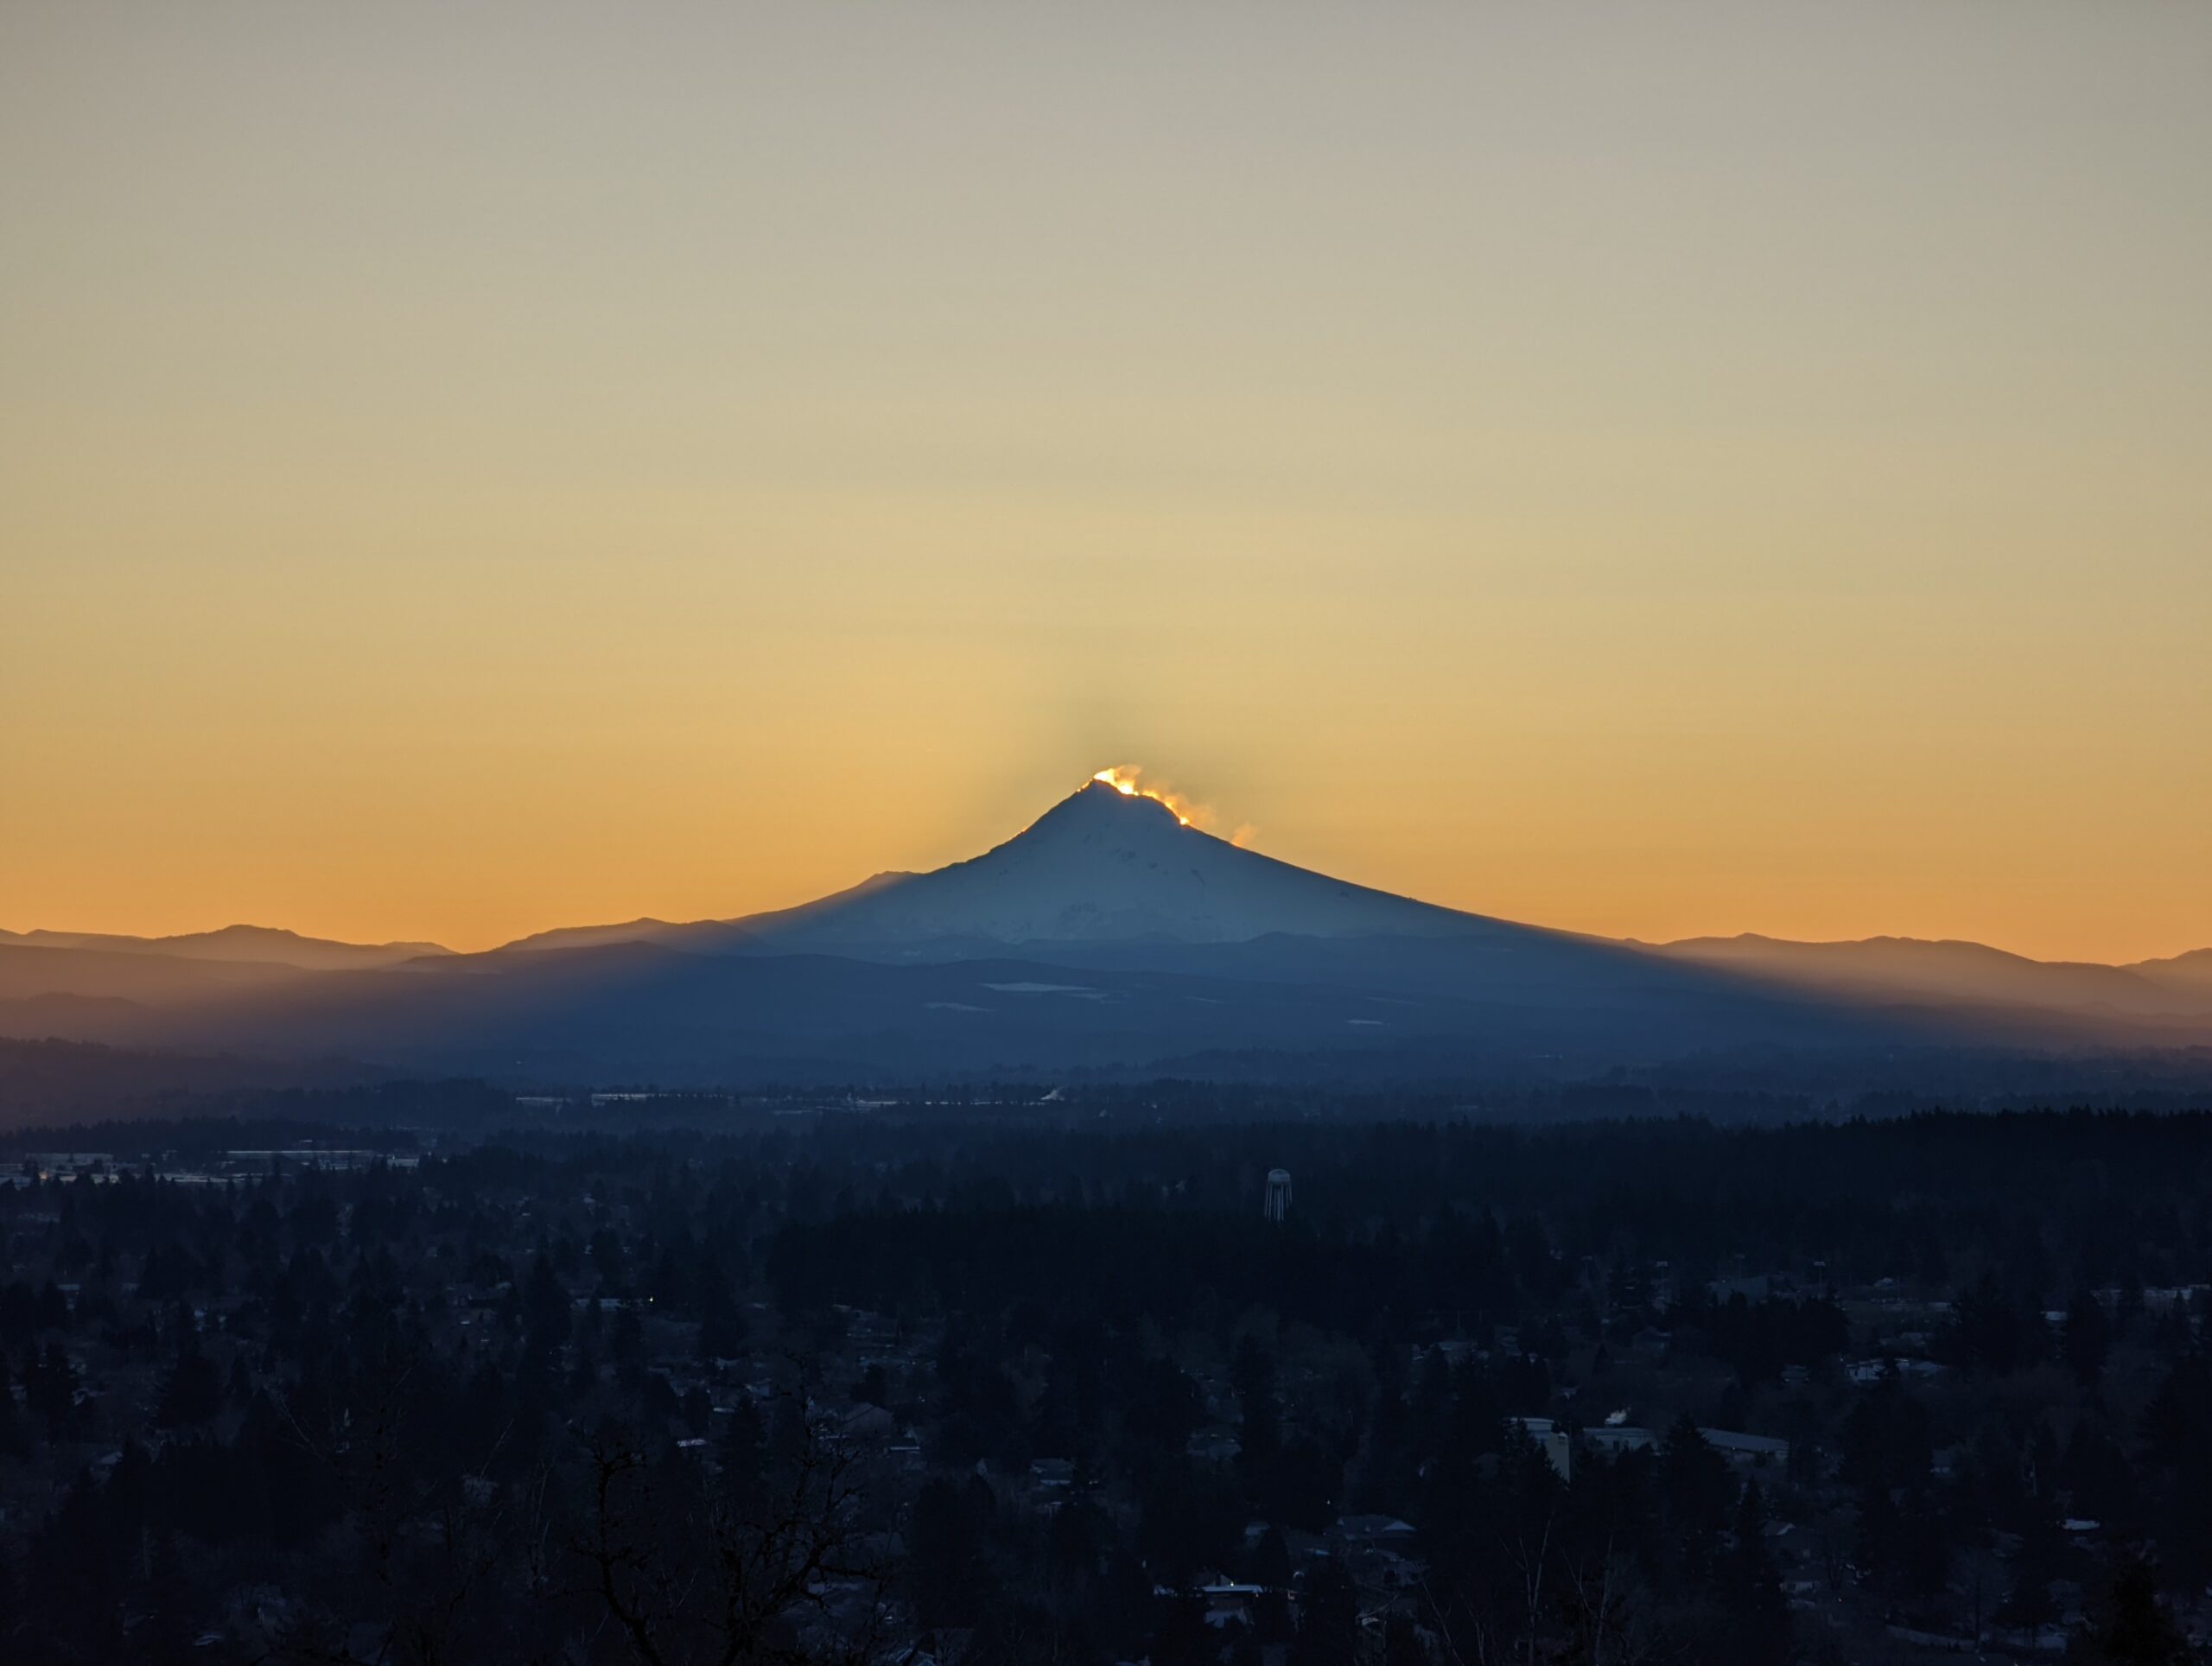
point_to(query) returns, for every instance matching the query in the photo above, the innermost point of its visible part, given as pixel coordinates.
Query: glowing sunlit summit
(1123, 778)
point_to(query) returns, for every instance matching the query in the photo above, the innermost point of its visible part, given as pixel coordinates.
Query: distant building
(1214, 1445)
(1368, 1532)
(1756, 1450)
(1557, 1445)
(1228, 1600)
(1052, 1474)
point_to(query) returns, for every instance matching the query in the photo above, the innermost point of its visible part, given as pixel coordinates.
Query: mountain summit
(1103, 865)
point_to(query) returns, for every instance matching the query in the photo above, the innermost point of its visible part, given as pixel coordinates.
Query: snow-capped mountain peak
(1106, 864)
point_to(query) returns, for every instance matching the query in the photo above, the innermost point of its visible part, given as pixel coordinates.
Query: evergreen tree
(1252, 1373)
(2040, 1560)
(1923, 1551)
(2132, 1628)
(1183, 1637)
(50, 1390)
(1874, 1537)
(1752, 1588)
(722, 1324)
(1694, 1486)
(1271, 1571)
(1401, 1643)
(548, 1317)
(947, 1571)
(2088, 1337)
(191, 1393)
(13, 1443)
(1328, 1618)
(164, 1637)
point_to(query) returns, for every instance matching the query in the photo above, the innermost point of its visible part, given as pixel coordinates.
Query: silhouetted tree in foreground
(2132, 1628)
(691, 1574)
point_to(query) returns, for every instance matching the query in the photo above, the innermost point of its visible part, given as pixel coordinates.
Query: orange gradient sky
(1651, 471)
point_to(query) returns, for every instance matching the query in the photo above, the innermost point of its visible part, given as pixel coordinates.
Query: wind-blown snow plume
(1128, 780)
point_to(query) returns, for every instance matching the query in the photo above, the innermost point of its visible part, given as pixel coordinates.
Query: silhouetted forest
(1002, 1382)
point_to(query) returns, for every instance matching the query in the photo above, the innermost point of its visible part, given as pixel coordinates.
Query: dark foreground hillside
(873, 1385)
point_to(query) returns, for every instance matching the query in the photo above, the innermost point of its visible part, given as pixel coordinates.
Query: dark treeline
(1867, 1199)
(55, 1084)
(991, 1385)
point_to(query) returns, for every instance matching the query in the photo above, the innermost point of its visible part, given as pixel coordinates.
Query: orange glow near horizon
(506, 470)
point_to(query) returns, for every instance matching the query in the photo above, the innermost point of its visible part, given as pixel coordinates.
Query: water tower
(1278, 1193)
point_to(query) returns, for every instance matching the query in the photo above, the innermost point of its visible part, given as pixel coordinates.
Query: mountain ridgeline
(1108, 939)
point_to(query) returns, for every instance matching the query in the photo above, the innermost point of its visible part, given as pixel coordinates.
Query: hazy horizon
(1194, 814)
(465, 474)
